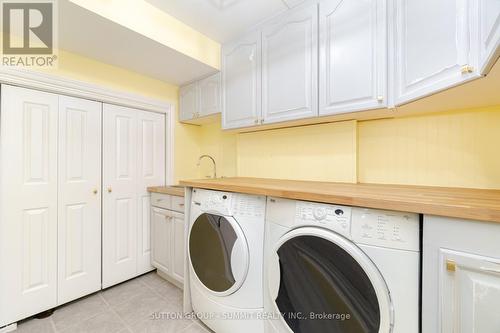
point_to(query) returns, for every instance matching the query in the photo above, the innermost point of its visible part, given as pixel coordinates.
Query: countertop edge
(415, 204)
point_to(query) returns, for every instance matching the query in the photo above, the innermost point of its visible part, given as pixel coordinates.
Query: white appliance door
(79, 225)
(322, 282)
(119, 194)
(218, 253)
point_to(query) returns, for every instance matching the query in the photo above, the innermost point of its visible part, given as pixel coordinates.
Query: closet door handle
(110, 190)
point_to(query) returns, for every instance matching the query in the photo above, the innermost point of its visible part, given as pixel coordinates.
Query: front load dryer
(340, 269)
(225, 250)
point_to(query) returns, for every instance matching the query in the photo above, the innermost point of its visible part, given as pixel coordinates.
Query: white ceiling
(222, 20)
(83, 32)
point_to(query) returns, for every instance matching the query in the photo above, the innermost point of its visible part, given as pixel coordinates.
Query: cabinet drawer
(161, 200)
(177, 204)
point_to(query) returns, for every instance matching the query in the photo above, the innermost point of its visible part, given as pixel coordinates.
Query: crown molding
(65, 86)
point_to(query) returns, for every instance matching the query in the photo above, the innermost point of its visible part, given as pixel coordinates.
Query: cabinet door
(432, 47)
(119, 194)
(151, 172)
(178, 247)
(79, 206)
(28, 212)
(470, 294)
(188, 102)
(209, 95)
(489, 33)
(241, 82)
(290, 66)
(161, 239)
(353, 65)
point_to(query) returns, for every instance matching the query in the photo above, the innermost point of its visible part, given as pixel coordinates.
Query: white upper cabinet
(200, 99)
(241, 82)
(290, 66)
(353, 55)
(188, 102)
(209, 95)
(433, 48)
(489, 33)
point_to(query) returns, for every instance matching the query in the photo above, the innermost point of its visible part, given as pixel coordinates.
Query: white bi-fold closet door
(133, 159)
(79, 198)
(50, 218)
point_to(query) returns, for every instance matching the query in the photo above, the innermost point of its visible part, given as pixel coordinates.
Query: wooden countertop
(172, 190)
(476, 204)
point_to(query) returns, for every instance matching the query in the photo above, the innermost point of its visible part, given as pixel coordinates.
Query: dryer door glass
(212, 240)
(324, 289)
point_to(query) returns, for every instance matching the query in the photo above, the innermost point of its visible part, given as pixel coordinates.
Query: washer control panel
(230, 204)
(385, 228)
(336, 218)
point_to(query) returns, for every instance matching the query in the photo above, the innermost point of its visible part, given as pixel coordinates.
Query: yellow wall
(315, 152)
(220, 145)
(458, 148)
(186, 137)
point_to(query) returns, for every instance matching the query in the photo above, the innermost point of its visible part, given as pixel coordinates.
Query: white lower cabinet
(167, 236)
(461, 276)
(161, 234)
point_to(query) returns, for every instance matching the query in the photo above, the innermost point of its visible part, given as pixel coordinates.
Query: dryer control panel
(385, 228)
(336, 218)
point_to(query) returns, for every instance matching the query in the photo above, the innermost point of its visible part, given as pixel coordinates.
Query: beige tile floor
(125, 308)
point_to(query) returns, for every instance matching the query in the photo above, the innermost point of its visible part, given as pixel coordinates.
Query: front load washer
(225, 250)
(340, 269)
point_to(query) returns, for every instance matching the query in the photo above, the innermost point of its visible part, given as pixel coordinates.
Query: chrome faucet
(213, 161)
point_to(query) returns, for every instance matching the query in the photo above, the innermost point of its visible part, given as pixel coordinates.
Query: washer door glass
(324, 289)
(214, 241)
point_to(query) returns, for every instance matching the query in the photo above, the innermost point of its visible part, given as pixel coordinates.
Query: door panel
(151, 172)
(119, 194)
(178, 249)
(430, 57)
(28, 212)
(241, 82)
(188, 102)
(353, 66)
(79, 200)
(161, 233)
(209, 95)
(470, 293)
(290, 66)
(489, 33)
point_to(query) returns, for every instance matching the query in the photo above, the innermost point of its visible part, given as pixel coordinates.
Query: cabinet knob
(110, 190)
(466, 69)
(450, 265)
(380, 98)
(95, 191)
(256, 121)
